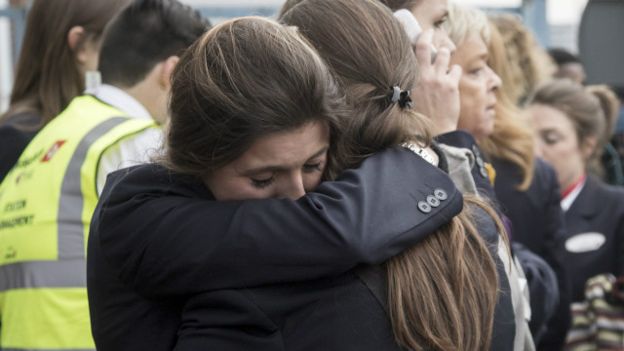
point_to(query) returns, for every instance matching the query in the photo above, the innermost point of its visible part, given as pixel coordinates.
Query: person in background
(568, 65)
(529, 64)
(569, 124)
(48, 198)
(528, 193)
(61, 43)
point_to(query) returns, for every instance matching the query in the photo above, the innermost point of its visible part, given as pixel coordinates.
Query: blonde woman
(528, 192)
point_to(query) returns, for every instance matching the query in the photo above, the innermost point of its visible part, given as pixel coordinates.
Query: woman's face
(477, 87)
(283, 165)
(557, 143)
(431, 14)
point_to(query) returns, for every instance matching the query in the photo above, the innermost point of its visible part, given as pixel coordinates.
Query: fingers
(423, 48)
(442, 61)
(455, 74)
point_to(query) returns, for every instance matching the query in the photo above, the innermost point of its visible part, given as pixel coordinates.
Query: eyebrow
(276, 168)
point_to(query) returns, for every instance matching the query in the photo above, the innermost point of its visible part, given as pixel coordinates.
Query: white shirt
(136, 149)
(567, 201)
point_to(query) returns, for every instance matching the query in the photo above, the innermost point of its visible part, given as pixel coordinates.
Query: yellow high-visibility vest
(46, 204)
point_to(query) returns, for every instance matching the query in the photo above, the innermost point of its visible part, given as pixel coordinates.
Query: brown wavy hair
(244, 79)
(442, 292)
(47, 77)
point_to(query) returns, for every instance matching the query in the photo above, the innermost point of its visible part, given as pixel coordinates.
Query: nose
(293, 189)
(495, 80)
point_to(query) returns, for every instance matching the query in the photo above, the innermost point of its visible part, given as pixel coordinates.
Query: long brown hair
(244, 79)
(442, 292)
(511, 140)
(47, 77)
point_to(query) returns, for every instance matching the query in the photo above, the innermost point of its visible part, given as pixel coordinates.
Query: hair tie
(401, 96)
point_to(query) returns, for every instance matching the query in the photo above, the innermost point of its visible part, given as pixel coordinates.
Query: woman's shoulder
(612, 194)
(151, 180)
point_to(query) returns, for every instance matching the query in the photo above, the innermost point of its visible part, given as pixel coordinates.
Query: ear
(166, 71)
(75, 39)
(589, 146)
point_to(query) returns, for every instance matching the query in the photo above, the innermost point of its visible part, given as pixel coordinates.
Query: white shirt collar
(567, 201)
(120, 100)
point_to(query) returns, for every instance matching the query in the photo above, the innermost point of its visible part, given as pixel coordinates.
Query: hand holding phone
(412, 28)
(436, 94)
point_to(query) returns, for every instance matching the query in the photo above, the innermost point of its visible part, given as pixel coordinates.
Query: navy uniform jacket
(595, 241)
(347, 313)
(157, 238)
(538, 224)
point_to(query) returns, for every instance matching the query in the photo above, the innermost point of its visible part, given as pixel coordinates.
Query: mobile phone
(412, 28)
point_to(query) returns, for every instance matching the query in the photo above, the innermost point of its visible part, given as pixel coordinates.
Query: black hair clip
(401, 96)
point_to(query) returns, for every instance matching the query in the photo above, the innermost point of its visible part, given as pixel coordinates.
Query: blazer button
(433, 201)
(424, 207)
(440, 194)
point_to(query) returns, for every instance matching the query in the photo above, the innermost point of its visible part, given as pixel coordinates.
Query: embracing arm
(165, 239)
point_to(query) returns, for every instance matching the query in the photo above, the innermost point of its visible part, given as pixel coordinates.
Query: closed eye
(262, 183)
(313, 167)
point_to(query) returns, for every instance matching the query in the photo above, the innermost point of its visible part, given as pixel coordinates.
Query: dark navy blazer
(595, 240)
(158, 238)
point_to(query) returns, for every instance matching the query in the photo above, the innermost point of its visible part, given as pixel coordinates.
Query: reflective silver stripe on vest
(43, 274)
(70, 269)
(5, 349)
(70, 229)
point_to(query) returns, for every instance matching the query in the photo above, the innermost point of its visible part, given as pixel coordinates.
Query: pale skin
(437, 94)
(558, 144)
(85, 49)
(283, 165)
(477, 87)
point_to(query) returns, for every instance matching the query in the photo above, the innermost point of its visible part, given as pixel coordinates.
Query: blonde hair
(529, 64)
(511, 139)
(464, 21)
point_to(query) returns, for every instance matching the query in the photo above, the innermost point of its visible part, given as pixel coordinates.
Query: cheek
(559, 153)
(473, 95)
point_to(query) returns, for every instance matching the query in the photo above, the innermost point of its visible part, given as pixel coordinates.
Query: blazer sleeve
(167, 242)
